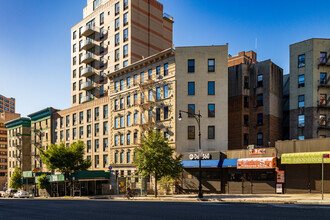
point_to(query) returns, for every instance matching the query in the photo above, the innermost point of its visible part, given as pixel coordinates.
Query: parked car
(10, 192)
(2, 193)
(21, 194)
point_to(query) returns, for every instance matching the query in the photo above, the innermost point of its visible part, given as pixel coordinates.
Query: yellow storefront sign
(304, 158)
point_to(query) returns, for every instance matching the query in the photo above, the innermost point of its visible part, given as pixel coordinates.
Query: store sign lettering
(206, 156)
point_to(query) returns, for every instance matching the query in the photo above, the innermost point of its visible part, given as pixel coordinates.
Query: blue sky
(35, 38)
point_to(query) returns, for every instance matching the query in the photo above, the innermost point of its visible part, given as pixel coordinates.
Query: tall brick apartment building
(255, 102)
(4, 117)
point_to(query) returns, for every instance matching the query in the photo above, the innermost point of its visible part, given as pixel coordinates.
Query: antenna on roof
(256, 45)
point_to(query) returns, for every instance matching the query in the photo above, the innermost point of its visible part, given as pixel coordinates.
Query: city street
(92, 209)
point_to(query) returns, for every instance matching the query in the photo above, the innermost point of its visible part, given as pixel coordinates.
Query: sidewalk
(255, 198)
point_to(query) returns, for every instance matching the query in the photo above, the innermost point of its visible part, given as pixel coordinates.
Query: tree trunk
(156, 191)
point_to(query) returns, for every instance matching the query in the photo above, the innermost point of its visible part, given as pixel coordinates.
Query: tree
(15, 180)
(156, 157)
(66, 160)
(42, 181)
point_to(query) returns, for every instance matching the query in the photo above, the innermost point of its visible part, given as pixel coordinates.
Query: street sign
(110, 167)
(35, 170)
(326, 155)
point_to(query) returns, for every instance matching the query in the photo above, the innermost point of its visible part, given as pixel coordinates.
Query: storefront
(211, 173)
(251, 175)
(303, 172)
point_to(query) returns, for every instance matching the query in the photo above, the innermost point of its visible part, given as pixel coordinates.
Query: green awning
(97, 174)
(304, 158)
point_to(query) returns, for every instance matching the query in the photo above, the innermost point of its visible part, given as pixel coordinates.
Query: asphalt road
(89, 209)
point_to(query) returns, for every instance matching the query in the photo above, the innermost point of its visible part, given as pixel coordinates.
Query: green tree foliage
(156, 157)
(15, 180)
(42, 181)
(65, 160)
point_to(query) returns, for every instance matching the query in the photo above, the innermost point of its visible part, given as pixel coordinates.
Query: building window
(260, 80)
(301, 60)
(74, 133)
(301, 101)
(323, 120)
(191, 110)
(211, 110)
(128, 101)
(128, 120)
(125, 4)
(81, 132)
(165, 69)
(105, 111)
(246, 101)
(74, 99)
(117, 39)
(260, 100)
(89, 131)
(122, 157)
(301, 81)
(74, 35)
(191, 66)
(301, 121)
(165, 112)
(125, 51)
(211, 65)
(246, 82)
(128, 157)
(97, 145)
(105, 144)
(211, 132)
(158, 95)
(97, 161)
(128, 138)
(125, 18)
(67, 121)
(211, 88)
(323, 99)
(116, 157)
(150, 74)
(165, 91)
(89, 146)
(117, 8)
(122, 121)
(74, 49)
(191, 132)
(125, 63)
(102, 35)
(191, 88)
(157, 114)
(246, 120)
(117, 24)
(97, 113)
(126, 35)
(74, 73)
(260, 139)
(105, 161)
(260, 119)
(105, 128)
(142, 77)
(116, 140)
(97, 129)
(301, 138)
(121, 139)
(323, 78)
(246, 139)
(323, 57)
(74, 60)
(102, 18)
(121, 85)
(158, 71)
(150, 95)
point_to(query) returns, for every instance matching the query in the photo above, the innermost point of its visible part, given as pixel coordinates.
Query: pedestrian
(128, 193)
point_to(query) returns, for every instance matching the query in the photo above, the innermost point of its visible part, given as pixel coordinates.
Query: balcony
(88, 85)
(88, 44)
(324, 103)
(86, 99)
(87, 58)
(88, 71)
(88, 30)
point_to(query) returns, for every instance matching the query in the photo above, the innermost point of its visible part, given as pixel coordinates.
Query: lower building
(19, 145)
(4, 117)
(255, 104)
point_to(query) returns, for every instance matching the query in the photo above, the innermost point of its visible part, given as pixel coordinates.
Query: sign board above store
(305, 158)
(257, 163)
(258, 151)
(205, 156)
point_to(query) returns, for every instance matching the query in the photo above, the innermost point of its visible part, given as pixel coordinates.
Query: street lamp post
(200, 155)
